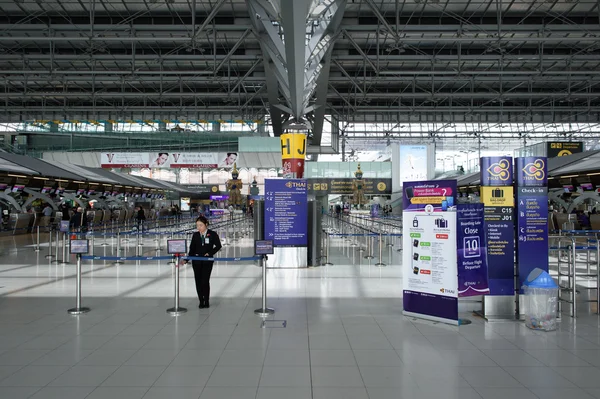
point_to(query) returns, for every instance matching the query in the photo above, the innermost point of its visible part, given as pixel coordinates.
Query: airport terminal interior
(401, 197)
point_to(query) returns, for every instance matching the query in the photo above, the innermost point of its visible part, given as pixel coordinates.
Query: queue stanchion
(37, 245)
(263, 248)
(118, 262)
(328, 239)
(78, 247)
(399, 243)
(176, 248)
(92, 244)
(49, 256)
(369, 254)
(380, 263)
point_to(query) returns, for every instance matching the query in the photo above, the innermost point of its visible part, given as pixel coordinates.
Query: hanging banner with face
(293, 153)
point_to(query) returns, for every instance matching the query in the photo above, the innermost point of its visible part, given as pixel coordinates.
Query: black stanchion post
(49, 256)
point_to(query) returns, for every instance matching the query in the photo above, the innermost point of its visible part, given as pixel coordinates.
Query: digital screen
(176, 247)
(219, 197)
(144, 195)
(17, 188)
(91, 192)
(106, 193)
(568, 189)
(79, 246)
(60, 190)
(136, 195)
(127, 194)
(587, 186)
(115, 193)
(3, 186)
(263, 247)
(46, 190)
(80, 191)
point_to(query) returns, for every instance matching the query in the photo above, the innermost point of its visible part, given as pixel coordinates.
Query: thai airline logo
(535, 170)
(500, 170)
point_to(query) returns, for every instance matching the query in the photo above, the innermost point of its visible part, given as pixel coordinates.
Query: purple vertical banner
(472, 251)
(532, 230)
(496, 171)
(532, 215)
(286, 212)
(532, 172)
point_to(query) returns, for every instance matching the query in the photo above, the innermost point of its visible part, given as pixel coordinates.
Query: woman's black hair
(163, 153)
(234, 153)
(202, 219)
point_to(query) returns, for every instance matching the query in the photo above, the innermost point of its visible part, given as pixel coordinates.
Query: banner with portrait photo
(159, 160)
(164, 160)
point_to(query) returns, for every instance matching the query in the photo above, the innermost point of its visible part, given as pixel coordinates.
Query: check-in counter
(120, 215)
(106, 216)
(98, 214)
(18, 223)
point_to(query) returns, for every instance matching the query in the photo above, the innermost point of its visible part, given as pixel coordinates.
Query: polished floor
(343, 336)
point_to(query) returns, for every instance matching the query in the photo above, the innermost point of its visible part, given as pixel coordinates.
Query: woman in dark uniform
(205, 243)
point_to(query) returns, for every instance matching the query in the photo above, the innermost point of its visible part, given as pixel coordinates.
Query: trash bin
(541, 301)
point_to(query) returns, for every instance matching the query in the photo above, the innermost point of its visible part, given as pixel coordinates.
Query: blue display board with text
(286, 212)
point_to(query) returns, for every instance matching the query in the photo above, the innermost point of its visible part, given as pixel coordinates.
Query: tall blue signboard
(472, 251)
(286, 212)
(532, 219)
(497, 195)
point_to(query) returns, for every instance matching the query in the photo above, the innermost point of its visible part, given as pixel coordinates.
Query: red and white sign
(204, 160)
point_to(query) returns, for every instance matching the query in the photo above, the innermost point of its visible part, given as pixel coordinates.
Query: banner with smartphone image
(430, 274)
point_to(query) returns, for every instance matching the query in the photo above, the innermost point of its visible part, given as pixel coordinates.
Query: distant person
(47, 211)
(140, 216)
(229, 160)
(64, 208)
(161, 161)
(78, 221)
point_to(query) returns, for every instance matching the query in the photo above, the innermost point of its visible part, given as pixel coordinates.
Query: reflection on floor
(345, 336)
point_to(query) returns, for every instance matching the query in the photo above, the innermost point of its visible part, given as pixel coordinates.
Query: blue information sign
(532, 230)
(496, 171)
(64, 226)
(500, 236)
(532, 172)
(286, 212)
(472, 251)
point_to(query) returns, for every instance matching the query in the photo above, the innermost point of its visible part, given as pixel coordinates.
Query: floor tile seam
(13, 373)
(528, 389)
(223, 350)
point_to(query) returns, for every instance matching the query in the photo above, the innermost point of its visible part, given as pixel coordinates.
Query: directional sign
(286, 212)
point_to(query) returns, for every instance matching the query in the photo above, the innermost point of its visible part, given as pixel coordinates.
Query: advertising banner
(195, 160)
(561, 149)
(204, 160)
(322, 186)
(532, 230)
(124, 159)
(532, 172)
(430, 283)
(496, 171)
(413, 163)
(472, 251)
(286, 212)
(293, 152)
(438, 195)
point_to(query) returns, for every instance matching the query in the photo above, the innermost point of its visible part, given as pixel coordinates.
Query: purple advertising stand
(532, 218)
(429, 263)
(497, 196)
(286, 222)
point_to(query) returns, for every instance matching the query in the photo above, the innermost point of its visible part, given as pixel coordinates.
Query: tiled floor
(345, 336)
